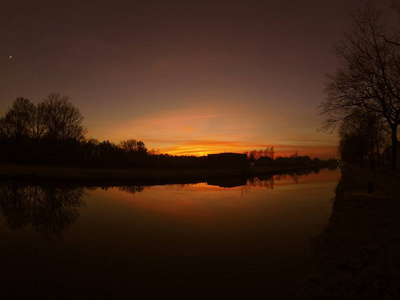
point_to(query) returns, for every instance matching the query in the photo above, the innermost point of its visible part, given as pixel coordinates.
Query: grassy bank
(357, 256)
(129, 176)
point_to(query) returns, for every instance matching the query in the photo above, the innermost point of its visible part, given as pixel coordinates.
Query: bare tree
(18, 119)
(141, 147)
(368, 76)
(60, 118)
(37, 126)
(257, 154)
(132, 145)
(396, 6)
(129, 145)
(361, 136)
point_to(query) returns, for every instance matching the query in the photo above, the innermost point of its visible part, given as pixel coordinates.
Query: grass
(357, 256)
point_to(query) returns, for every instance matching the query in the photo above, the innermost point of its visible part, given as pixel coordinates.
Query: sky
(185, 77)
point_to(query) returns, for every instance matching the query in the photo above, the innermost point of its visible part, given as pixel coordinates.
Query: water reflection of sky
(203, 202)
(105, 239)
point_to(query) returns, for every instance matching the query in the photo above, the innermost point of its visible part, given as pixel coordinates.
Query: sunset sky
(185, 77)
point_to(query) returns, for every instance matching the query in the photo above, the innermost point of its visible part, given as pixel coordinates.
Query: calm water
(174, 241)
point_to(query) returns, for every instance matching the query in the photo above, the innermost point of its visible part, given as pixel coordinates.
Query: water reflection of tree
(298, 174)
(50, 209)
(132, 189)
(294, 176)
(268, 181)
(261, 182)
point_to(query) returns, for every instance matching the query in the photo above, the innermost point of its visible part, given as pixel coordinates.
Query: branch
(388, 41)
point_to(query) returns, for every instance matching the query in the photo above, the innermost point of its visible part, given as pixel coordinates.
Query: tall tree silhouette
(368, 76)
(361, 137)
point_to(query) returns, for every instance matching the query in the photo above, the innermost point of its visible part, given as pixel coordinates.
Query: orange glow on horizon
(198, 130)
(322, 152)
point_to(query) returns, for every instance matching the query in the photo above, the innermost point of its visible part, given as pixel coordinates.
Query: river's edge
(108, 176)
(357, 256)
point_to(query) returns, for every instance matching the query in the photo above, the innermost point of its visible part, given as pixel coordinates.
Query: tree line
(52, 132)
(256, 154)
(363, 94)
(54, 117)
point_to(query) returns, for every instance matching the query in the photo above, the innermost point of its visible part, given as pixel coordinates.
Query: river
(222, 239)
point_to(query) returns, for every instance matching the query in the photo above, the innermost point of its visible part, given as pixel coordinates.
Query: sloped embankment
(357, 256)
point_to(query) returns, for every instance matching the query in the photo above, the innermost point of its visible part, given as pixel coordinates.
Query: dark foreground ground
(357, 256)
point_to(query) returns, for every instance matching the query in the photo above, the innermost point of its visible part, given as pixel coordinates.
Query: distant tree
(368, 76)
(93, 141)
(257, 154)
(131, 145)
(18, 120)
(52, 132)
(141, 148)
(61, 120)
(271, 153)
(361, 136)
(264, 162)
(154, 152)
(38, 125)
(352, 148)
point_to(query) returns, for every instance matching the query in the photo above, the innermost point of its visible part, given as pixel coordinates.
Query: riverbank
(357, 256)
(132, 176)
